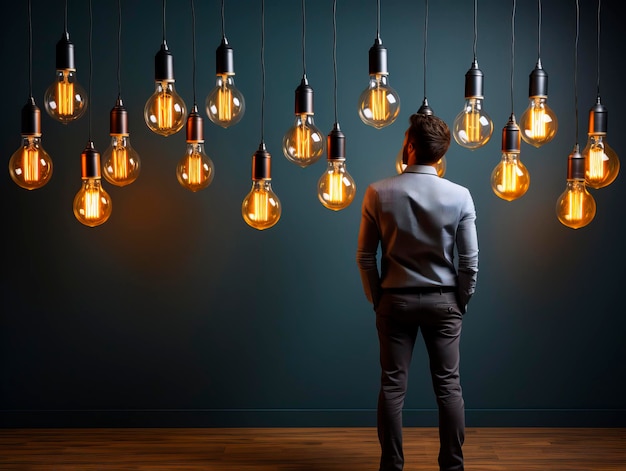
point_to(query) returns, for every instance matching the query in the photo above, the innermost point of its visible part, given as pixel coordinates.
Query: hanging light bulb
(65, 99)
(538, 122)
(165, 110)
(303, 143)
(92, 204)
(195, 170)
(510, 179)
(261, 207)
(336, 188)
(473, 127)
(575, 207)
(121, 162)
(225, 104)
(379, 104)
(30, 166)
(601, 162)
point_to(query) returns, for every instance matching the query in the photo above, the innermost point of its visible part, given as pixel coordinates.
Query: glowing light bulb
(195, 170)
(575, 207)
(261, 207)
(225, 104)
(65, 99)
(92, 204)
(379, 104)
(538, 122)
(303, 143)
(473, 127)
(601, 162)
(165, 110)
(336, 188)
(121, 162)
(510, 179)
(30, 166)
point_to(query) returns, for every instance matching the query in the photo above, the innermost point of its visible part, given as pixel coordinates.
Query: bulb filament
(596, 162)
(378, 102)
(30, 164)
(65, 95)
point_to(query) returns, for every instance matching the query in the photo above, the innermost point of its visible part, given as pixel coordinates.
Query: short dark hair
(430, 136)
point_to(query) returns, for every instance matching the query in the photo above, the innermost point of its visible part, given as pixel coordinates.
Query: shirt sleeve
(467, 247)
(367, 247)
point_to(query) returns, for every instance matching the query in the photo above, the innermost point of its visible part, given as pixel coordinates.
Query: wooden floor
(304, 449)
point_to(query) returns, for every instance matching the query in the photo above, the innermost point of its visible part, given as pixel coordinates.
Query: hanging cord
(335, 55)
(30, 51)
(90, 66)
(163, 21)
(512, 53)
(475, 28)
(193, 50)
(223, 21)
(576, 71)
(598, 51)
(378, 19)
(65, 20)
(425, 44)
(303, 39)
(539, 30)
(119, 49)
(262, 70)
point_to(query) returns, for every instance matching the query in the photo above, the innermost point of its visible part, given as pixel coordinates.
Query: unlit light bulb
(575, 207)
(121, 164)
(92, 204)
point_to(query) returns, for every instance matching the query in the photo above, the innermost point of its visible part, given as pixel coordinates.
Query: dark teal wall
(175, 312)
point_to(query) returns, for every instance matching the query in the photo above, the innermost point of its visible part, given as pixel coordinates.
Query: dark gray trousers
(399, 317)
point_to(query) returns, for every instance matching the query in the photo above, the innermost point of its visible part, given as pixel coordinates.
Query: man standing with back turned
(419, 220)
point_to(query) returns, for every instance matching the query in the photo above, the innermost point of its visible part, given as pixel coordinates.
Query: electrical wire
(539, 30)
(163, 21)
(119, 48)
(193, 50)
(425, 44)
(576, 70)
(90, 66)
(475, 28)
(303, 38)
(30, 51)
(262, 69)
(335, 56)
(223, 22)
(598, 51)
(512, 53)
(378, 19)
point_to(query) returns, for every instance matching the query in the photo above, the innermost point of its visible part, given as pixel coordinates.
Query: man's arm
(467, 247)
(367, 247)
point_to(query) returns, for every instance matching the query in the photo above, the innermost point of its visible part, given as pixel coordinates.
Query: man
(419, 220)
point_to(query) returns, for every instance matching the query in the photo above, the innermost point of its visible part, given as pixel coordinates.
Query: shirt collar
(429, 169)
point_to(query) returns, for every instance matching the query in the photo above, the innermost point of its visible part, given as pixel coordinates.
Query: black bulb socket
(261, 164)
(511, 138)
(224, 59)
(474, 82)
(31, 119)
(304, 98)
(164, 65)
(576, 165)
(598, 118)
(538, 82)
(378, 58)
(65, 53)
(425, 108)
(195, 126)
(118, 119)
(336, 144)
(90, 162)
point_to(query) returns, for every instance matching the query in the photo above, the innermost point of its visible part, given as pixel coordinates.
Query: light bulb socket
(511, 138)
(336, 143)
(65, 53)
(224, 59)
(474, 82)
(90, 162)
(425, 108)
(378, 58)
(31, 119)
(164, 65)
(304, 98)
(195, 126)
(118, 119)
(576, 165)
(598, 118)
(538, 82)
(261, 164)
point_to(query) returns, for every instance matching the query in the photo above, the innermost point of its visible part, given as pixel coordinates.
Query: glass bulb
(379, 104)
(601, 162)
(440, 167)
(575, 207)
(472, 126)
(195, 170)
(538, 122)
(336, 188)
(303, 144)
(261, 207)
(225, 104)
(165, 111)
(30, 166)
(121, 162)
(65, 99)
(92, 204)
(510, 179)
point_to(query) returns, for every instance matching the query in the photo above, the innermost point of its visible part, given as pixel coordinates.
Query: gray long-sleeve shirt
(419, 220)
